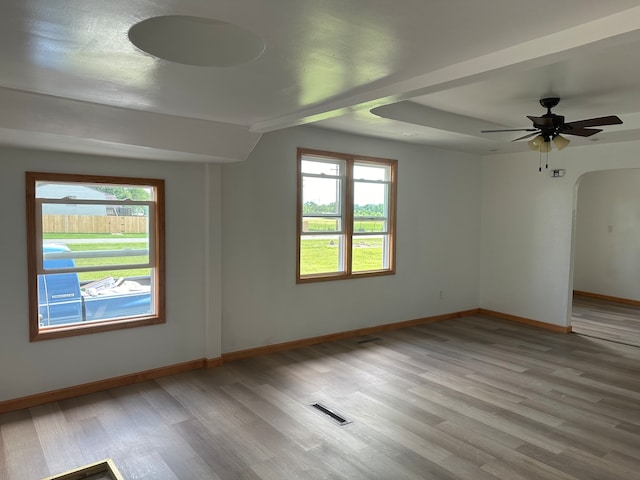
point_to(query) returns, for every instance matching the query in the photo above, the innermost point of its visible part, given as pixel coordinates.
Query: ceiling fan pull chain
(540, 162)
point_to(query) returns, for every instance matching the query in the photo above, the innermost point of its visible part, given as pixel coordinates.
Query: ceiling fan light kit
(536, 143)
(561, 142)
(543, 145)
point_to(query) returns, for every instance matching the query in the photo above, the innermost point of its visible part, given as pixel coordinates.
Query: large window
(346, 216)
(95, 253)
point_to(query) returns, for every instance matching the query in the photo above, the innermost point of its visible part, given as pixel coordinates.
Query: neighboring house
(54, 190)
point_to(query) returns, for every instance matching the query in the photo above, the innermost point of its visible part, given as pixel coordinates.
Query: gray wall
(527, 228)
(28, 368)
(438, 232)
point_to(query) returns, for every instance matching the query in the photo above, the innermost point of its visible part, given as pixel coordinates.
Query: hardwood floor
(607, 320)
(471, 398)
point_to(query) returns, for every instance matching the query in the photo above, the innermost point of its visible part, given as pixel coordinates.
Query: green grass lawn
(321, 256)
(329, 225)
(316, 256)
(368, 256)
(86, 262)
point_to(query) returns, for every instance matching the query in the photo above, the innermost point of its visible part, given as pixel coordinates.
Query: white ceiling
(71, 80)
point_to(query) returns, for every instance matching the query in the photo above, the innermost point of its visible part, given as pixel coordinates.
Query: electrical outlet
(441, 294)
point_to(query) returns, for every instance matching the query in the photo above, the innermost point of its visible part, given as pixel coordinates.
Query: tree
(369, 210)
(129, 193)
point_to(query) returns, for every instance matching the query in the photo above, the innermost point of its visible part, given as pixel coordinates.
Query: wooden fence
(93, 224)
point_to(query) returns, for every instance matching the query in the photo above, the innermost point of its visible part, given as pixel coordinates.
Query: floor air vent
(330, 413)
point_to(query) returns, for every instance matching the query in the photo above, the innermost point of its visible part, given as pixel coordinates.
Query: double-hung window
(95, 253)
(346, 216)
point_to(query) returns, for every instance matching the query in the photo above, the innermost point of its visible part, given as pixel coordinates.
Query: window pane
(371, 172)
(370, 199)
(92, 236)
(321, 224)
(64, 299)
(322, 167)
(321, 196)
(98, 251)
(92, 191)
(364, 226)
(321, 254)
(70, 298)
(368, 253)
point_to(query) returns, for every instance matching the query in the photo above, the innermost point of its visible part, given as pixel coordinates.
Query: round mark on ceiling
(202, 42)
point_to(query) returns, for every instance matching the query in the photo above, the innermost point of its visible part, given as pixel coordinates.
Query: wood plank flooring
(474, 398)
(607, 320)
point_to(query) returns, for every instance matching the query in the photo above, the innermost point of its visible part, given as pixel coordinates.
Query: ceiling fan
(550, 127)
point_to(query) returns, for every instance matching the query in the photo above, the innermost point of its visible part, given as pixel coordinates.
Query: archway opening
(606, 256)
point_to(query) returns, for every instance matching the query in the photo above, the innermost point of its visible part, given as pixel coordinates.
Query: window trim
(347, 215)
(156, 255)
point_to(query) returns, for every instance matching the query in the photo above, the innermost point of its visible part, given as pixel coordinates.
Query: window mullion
(95, 268)
(76, 201)
(348, 216)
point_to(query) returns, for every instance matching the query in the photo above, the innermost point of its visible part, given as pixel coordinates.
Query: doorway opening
(606, 256)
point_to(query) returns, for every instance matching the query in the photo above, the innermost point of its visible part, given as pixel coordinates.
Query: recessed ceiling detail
(73, 78)
(202, 42)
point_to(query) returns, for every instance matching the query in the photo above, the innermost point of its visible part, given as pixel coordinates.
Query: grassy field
(321, 255)
(88, 262)
(329, 225)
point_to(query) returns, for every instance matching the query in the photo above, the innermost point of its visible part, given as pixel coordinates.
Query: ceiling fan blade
(528, 135)
(582, 132)
(594, 122)
(510, 130)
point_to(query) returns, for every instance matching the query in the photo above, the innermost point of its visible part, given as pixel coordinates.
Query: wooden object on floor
(104, 470)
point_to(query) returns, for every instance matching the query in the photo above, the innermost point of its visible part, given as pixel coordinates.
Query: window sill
(49, 333)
